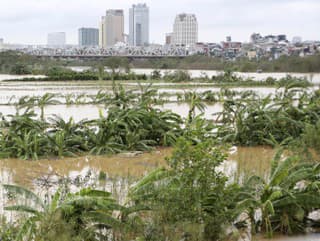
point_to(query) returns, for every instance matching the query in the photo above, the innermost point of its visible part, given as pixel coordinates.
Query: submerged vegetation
(134, 122)
(130, 124)
(189, 198)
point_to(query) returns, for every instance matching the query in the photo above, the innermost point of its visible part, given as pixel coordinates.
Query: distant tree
(115, 64)
(20, 69)
(156, 74)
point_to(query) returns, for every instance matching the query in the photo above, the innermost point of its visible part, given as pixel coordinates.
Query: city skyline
(217, 19)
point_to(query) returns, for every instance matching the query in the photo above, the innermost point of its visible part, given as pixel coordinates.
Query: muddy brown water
(249, 160)
(24, 172)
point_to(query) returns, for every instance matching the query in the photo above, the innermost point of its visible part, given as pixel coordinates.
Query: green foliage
(8, 230)
(132, 124)
(286, 198)
(177, 76)
(20, 69)
(311, 136)
(9, 59)
(156, 75)
(283, 64)
(85, 215)
(269, 121)
(176, 193)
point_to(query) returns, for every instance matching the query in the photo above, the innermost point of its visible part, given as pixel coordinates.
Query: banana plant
(43, 101)
(285, 198)
(69, 216)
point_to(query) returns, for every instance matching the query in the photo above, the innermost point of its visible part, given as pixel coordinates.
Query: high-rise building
(57, 39)
(88, 37)
(111, 30)
(1, 40)
(139, 25)
(185, 30)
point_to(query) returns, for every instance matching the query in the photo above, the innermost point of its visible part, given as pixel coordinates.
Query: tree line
(12, 62)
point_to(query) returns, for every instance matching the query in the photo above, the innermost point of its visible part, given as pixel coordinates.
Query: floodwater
(36, 174)
(9, 77)
(90, 112)
(25, 172)
(122, 171)
(10, 92)
(250, 160)
(39, 175)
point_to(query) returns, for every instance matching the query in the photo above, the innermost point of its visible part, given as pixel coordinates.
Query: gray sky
(29, 21)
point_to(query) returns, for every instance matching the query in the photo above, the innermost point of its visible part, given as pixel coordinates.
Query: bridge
(131, 52)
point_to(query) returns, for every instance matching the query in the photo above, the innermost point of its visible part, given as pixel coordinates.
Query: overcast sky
(29, 21)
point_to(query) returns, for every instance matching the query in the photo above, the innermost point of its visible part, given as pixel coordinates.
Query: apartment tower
(185, 30)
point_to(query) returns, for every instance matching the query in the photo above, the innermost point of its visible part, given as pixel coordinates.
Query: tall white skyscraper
(111, 29)
(57, 39)
(185, 30)
(139, 25)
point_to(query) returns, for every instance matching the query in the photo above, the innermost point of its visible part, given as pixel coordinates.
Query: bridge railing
(124, 51)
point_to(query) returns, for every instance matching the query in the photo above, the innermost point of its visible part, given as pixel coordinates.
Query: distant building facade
(111, 28)
(88, 37)
(185, 30)
(257, 38)
(168, 40)
(297, 40)
(139, 25)
(102, 32)
(57, 39)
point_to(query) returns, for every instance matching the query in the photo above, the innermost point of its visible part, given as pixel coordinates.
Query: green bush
(311, 136)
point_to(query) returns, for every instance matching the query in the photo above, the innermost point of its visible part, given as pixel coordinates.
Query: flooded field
(251, 160)
(113, 173)
(8, 77)
(10, 92)
(118, 171)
